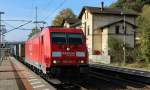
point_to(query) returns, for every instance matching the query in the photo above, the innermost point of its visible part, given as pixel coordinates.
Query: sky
(46, 10)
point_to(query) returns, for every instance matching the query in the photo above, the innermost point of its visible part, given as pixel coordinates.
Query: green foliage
(115, 43)
(139, 65)
(116, 51)
(66, 13)
(34, 31)
(136, 5)
(119, 3)
(142, 50)
(143, 21)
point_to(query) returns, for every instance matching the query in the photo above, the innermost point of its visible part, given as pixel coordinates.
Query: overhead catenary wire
(17, 27)
(17, 20)
(32, 7)
(60, 5)
(48, 4)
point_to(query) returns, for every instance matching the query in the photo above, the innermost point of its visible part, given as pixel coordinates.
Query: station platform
(15, 76)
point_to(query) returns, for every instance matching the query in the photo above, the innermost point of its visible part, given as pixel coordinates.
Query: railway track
(131, 82)
(94, 81)
(60, 83)
(73, 83)
(63, 84)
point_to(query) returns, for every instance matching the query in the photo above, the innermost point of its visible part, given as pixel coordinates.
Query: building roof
(76, 24)
(113, 11)
(71, 20)
(112, 23)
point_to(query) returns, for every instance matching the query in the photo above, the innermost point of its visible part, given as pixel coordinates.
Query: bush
(116, 52)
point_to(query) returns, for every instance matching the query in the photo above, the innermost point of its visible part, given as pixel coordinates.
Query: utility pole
(36, 19)
(3, 34)
(1, 29)
(124, 25)
(124, 37)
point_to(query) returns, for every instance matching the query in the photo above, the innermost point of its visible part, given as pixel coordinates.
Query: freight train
(18, 51)
(54, 49)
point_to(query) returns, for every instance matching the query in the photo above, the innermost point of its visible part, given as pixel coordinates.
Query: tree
(66, 13)
(34, 31)
(136, 5)
(143, 22)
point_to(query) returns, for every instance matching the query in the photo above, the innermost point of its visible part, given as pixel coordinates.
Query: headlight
(56, 61)
(56, 54)
(81, 61)
(80, 54)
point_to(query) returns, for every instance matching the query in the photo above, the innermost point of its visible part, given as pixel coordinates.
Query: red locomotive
(57, 48)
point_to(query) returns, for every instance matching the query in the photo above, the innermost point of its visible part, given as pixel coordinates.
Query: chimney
(102, 6)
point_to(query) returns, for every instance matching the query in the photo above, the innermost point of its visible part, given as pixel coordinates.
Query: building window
(85, 28)
(117, 29)
(88, 30)
(85, 15)
(102, 30)
(124, 30)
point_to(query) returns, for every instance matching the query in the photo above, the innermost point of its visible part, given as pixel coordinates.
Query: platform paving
(15, 76)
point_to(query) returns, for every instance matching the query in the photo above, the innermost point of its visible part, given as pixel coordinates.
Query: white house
(100, 24)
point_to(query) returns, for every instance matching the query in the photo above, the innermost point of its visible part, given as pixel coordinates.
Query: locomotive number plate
(67, 61)
(68, 53)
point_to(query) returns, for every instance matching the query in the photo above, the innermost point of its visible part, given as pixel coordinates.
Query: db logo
(68, 53)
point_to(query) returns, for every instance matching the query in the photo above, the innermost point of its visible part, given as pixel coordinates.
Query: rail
(125, 73)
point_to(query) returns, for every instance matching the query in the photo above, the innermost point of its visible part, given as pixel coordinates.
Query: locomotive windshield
(75, 39)
(59, 38)
(66, 38)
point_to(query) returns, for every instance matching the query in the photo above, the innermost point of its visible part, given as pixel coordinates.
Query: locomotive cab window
(75, 38)
(66, 38)
(58, 38)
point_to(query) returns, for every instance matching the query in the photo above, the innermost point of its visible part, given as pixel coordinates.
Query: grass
(136, 65)
(139, 66)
